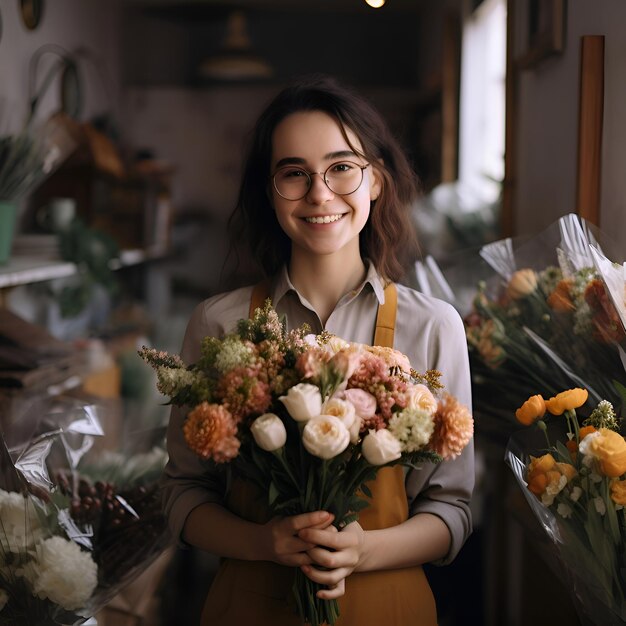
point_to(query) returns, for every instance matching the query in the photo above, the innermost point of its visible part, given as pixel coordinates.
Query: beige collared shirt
(429, 331)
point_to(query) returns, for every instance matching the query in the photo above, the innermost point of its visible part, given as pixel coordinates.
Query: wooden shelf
(24, 270)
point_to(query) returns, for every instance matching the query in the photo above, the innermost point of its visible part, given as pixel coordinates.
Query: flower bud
(303, 401)
(269, 432)
(380, 447)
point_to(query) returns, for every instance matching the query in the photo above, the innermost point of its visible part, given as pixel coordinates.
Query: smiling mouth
(326, 219)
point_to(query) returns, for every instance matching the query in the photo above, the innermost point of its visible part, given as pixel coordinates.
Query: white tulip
(380, 447)
(325, 436)
(269, 432)
(303, 401)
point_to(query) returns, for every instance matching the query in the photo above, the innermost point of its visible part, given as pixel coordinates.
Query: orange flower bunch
(579, 493)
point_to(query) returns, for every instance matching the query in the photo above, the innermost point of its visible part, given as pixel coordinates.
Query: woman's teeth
(327, 219)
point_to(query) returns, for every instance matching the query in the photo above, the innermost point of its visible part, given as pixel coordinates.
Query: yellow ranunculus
(533, 409)
(609, 448)
(567, 401)
(538, 470)
(618, 492)
(522, 284)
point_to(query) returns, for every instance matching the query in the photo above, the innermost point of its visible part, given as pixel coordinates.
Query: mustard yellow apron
(258, 593)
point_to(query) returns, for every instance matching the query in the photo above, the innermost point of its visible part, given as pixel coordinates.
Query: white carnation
(20, 524)
(413, 428)
(63, 573)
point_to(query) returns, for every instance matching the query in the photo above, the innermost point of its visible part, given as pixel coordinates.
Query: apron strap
(260, 293)
(385, 318)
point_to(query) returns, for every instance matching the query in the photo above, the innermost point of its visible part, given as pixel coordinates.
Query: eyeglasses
(342, 178)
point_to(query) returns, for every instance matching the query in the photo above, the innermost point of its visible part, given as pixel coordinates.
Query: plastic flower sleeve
(588, 554)
(104, 502)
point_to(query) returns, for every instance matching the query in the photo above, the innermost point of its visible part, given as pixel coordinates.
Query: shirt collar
(282, 284)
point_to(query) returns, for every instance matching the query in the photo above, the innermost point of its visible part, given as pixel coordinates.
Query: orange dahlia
(211, 432)
(454, 427)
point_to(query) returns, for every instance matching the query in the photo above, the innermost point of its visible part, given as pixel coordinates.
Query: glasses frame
(322, 174)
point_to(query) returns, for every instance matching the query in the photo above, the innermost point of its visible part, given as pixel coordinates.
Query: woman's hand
(338, 552)
(282, 543)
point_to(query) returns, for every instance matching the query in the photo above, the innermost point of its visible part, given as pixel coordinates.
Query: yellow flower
(545, 475)
(538, 469)
(533, 409)
(522, 284)
(609, 448)
(618, 492)
(567, 401)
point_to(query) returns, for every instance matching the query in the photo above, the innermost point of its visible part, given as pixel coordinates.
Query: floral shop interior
(123, 127)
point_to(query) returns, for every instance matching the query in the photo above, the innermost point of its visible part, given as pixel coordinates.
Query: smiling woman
(324, 205)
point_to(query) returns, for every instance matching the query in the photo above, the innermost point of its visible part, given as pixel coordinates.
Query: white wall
(71, 24)
(547, 131)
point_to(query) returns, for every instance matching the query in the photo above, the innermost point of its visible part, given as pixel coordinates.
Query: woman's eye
(342, 167)
(293, 173)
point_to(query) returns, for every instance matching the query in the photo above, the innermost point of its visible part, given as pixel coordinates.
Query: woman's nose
(319, 191)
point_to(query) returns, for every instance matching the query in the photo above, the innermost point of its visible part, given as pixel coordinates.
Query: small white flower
(555, 488)
(595, 478)
(233, 353)
(576, 493)
(380, 447)
(303, 401)
(269, 432)
(600, 505)
(413, 428)
(564, 510)
(547, 499)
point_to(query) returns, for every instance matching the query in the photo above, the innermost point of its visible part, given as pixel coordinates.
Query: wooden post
(590, 118)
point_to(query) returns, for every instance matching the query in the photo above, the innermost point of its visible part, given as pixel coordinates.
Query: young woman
(324, 201)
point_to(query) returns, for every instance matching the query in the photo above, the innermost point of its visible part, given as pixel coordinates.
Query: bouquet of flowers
(577, 489)
(309, 419)
(550, 313)
(78, 522)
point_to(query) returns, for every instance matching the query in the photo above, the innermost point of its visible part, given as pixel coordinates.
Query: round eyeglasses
(342, 178)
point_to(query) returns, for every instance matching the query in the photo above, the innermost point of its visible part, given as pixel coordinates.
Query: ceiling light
(375, 4)
(236, 60)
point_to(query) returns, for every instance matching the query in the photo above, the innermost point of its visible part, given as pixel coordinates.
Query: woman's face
(322, 222)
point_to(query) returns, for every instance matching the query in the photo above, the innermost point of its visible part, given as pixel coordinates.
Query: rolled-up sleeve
(187, 480)
(445, 489)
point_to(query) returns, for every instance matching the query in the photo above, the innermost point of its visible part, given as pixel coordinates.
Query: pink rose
(346, 362)
(364, 402)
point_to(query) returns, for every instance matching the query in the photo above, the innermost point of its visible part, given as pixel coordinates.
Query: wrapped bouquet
(576, 487)
(78, 522)
(309, 419)
(548, 314)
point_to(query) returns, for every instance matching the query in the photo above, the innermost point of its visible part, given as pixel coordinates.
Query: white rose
(325, 436)
(269, 432)
(380, 447)
(303, 401)
(345, 411)
(420, 397)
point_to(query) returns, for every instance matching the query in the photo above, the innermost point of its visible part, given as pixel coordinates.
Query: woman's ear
(376, 183)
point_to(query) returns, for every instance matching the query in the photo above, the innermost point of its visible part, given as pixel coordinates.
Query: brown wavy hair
(388, 238)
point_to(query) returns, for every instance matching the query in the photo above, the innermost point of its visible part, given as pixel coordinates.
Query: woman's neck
(324, 279)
